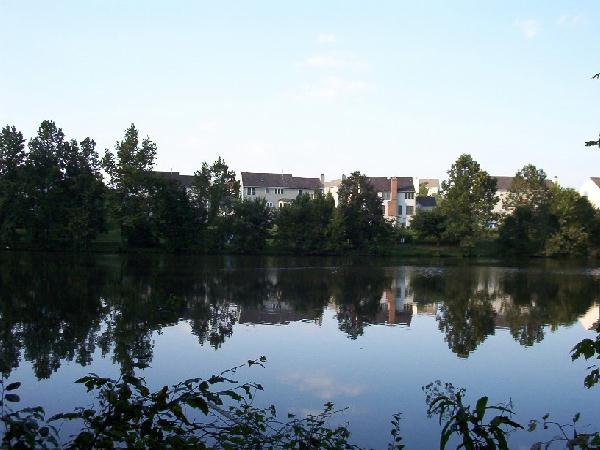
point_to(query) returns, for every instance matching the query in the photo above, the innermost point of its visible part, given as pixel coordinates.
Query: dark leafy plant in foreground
(589, 348)
(469, 424)
(197, 413)
(567, 437)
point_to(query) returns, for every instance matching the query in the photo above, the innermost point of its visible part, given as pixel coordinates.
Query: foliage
(429, 226)
(216, 413)
(302, 225)
(589, 348)
(361, 212)
(12, 198)
(529, 187)
(250, 225)
(469, 198)
(172, 214)
(567, 436)
(131, 185)
(213, 195)
(467, 422)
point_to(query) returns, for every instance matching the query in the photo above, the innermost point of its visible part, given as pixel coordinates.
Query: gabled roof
(282, 180)
(383, 184)
(426, 201)
(596, 180)
(185, 180)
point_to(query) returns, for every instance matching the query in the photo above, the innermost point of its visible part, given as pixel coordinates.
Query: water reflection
(56, 308)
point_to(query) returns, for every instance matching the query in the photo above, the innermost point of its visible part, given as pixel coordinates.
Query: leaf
(480, 408)
(13, 386)
(12, 398)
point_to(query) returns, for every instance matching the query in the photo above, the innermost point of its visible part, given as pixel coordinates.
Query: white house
(591, 190)
(278, 189)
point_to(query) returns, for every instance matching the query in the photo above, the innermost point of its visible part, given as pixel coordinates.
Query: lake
(364, 333)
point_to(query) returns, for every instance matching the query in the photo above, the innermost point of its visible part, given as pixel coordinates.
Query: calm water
(365, 333)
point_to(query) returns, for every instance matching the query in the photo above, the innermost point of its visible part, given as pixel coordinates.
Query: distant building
(278, 189)
(591, 190)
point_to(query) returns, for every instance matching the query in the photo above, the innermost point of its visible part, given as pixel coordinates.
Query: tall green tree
(214, 193)
(361, 211)
(469, 199)
(250, 224)
(302, 226)
(12, 157)
(131, 182)
(529, 187)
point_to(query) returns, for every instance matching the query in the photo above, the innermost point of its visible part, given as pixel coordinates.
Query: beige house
(503, 185)
(278, 189)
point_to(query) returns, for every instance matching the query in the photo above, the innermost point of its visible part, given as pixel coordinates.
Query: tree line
(60, 193)
(538, 217)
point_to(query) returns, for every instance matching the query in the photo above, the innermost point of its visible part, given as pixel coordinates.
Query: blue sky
(310, 87)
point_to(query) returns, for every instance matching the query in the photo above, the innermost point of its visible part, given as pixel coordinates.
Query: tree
(362, 213)
(429, 225)
(12, 156)
(131, 182)
(530, 187)
(64, 189)
(250, 225)
(469, 199)
(214, 192)
(172, 214)
(302, 225)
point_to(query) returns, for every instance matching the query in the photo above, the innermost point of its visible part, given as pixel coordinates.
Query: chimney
(392, 208)
(322, 179)
(343, 177)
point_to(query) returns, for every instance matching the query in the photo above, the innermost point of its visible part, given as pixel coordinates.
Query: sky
(389, 88)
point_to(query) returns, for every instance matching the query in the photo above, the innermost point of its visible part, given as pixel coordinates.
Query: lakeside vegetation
(58, 193)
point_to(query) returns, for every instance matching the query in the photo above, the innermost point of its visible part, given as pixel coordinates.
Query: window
(270, 204)
(410, 210)
(267, 190)
(279, 191)
(385, 195)
(399, 210)
(250, 191)
(409, 195)
(299, 191)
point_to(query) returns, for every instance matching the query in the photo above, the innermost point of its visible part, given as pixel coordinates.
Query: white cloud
(332, 88)
(333, 61)
(322, 385)
(327, 38)
(571, 21)
(529, 27)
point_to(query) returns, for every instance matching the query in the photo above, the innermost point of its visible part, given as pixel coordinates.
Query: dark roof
(283, 180)
(383, 184)
(504, 183)
(425, 201)
(185, 180)
(596, 180)
(429, 182)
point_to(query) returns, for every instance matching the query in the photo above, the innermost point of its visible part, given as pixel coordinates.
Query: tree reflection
(56, 308)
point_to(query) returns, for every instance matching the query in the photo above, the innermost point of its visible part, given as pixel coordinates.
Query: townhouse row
(399, 195)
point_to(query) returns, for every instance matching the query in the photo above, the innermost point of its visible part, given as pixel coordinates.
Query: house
(278, 189)
(591, 190)
(397, 195)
